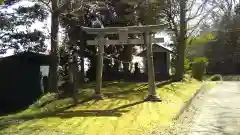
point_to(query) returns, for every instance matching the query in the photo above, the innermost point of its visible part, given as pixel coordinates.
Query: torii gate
(124, 40)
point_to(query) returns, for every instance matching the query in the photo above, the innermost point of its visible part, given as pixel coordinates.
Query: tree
(195, 14)
(181, 44)
(103, 14)
(56, 9)
(16, 30)
(53, 77)
(226, 45)
(42, 7)
(113, 13)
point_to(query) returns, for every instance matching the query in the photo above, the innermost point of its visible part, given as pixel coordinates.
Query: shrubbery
(187, 67)
(199, 67)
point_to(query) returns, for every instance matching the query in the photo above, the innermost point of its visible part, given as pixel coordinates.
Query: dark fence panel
(20, 84)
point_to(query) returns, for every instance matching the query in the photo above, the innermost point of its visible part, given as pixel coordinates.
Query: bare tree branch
(201, 20)
(199, 10)
(46, 3)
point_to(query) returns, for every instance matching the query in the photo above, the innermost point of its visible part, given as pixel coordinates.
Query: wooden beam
(115, 42)
(157, 40)
(130, 41)
(130, 29)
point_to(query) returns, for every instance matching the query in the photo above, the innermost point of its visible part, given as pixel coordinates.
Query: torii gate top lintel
(122, 33)
(129, 29)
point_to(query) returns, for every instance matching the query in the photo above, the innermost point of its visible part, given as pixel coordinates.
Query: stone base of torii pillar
(153, 98)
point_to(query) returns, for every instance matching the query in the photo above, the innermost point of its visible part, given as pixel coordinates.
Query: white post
(168, 62)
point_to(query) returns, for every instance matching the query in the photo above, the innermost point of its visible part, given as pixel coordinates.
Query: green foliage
(199, 68)
(225, 49)
(187, 65)
(15, 28)
(202, 39)
(200, 60)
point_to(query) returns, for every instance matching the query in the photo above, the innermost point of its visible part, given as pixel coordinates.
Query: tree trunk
(53, 77)
(73, 80)
(181, 45)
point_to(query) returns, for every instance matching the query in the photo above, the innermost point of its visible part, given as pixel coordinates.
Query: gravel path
(220, 111)
(216, 112)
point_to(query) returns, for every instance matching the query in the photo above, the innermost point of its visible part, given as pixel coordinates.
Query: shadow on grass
(118, 93)
(105, 84)
(121, 85)
(161, 84)
(139, 92)
(47, 102)
(90, 113)
(136, 92)
(62, 113)
(121, 90)
(115, 112)
(6, 122)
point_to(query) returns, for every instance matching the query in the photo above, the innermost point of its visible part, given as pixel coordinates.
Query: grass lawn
(123, 112)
